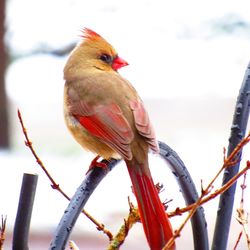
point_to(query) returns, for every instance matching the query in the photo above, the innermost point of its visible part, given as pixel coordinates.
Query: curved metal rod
(238, 131)
(94, 177)
(190, 195)
(77, 203)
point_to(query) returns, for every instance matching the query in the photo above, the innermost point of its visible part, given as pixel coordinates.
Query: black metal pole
(238, 130)
(95, 176)
(77, 203)
(190, 195)
(24, 212)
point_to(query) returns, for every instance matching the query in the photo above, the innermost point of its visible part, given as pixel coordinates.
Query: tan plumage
(103, 84)
(106, 116)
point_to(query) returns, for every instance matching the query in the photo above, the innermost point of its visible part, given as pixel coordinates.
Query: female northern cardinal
(106, 116)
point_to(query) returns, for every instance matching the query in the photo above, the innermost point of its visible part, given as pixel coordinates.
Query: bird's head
(99, 52)
(94, 52)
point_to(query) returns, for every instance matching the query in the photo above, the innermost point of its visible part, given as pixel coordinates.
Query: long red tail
(155, 222)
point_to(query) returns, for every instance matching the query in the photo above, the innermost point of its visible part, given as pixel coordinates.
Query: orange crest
(90, 34)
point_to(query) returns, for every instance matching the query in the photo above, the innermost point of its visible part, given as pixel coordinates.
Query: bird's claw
(96, 163)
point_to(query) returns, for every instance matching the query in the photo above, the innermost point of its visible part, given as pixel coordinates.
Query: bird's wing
(143, 124)
(107, 123)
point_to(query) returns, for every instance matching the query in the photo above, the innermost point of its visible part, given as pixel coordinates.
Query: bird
(106, 116)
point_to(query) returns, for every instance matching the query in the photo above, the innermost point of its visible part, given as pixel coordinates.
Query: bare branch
(227, 163)
(73, 246)
(242, 217)
(238, 240)
(54, 185)
(120, 237)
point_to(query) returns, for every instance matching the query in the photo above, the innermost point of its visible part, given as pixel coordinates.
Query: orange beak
(118, 63)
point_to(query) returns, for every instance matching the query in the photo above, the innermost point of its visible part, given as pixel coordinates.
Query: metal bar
(190, 195)
(77, 203)
(24, 212)
(238, 131)
(95, 176)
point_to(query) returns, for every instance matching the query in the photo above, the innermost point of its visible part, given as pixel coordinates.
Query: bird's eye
(106, 58)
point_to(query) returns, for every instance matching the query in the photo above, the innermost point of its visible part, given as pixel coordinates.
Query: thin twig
(54, 185)
(180, 211)
(243, 220)
(73, 246)
(120, 237)
(133, 217)
(227, 163)
(238, 240)
(242, 214)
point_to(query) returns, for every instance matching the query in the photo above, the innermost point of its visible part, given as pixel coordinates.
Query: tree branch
(206, 191)
(54, 185)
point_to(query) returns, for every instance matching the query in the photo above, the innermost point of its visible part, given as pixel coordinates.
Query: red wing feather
(107, 123)
(143, 124)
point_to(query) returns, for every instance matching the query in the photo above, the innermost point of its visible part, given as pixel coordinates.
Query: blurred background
(187, 60)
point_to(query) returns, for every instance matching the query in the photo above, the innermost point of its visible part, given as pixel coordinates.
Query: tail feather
(155, 222)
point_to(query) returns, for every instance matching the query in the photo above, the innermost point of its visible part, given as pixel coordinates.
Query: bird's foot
(96, 163)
